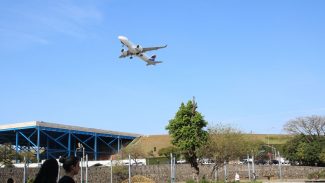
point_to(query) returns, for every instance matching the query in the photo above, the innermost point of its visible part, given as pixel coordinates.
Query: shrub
(317, 175)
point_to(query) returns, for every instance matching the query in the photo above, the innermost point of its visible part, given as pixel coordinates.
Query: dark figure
(10, 180)
(48, 172)
(71, 167)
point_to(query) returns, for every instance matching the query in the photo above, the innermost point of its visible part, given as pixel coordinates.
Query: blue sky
(252, 64)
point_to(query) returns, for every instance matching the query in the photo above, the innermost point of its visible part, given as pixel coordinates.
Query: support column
(38, 143)
(47, 148)
(17, 143)
(118, 144)
(69, 144)
(95, 146)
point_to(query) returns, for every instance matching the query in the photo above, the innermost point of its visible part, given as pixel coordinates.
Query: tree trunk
(195, 173)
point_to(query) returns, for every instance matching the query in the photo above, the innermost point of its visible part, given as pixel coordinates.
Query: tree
(322, 155)
(305, 152)
(307, 146)
(226, 144)
(134, 151)
(165, 152)
(7, 154)
(187, 132)
(310, 126)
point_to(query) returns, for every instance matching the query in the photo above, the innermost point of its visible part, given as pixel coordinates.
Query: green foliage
(201, 181)
(187, 132)
(206, 181)
(301, 149)
(322, 155)
(226, 144)
(317, 175)
(165, 152)
(120, 173)
(7, 154)
(158, 160)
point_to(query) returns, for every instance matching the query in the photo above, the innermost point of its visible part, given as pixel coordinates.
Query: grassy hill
(156, 142)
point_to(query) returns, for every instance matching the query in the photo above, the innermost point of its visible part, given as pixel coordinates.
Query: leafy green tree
(307, 146)
(188, 134)
(305, 151)
(322, 155)
(7, 154)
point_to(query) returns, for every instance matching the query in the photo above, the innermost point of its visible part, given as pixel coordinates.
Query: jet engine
(139, 48)
(124, 53)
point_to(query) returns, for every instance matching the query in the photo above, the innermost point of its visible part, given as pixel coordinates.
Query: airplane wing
(153, 48)
(123, 56)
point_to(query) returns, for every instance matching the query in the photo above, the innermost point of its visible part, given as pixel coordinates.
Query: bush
(317, 175)
(158, 160)
(30, 180)
(120, 173)
(201, 181)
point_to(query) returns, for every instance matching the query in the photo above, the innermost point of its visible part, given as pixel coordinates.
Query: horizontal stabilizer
(153, 63)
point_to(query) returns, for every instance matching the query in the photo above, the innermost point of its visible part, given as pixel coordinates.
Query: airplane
(137, 50)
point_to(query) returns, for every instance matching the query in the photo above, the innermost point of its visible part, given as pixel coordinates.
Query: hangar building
(51, 140)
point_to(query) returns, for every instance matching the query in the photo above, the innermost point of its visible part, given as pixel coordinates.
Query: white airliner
(137, 50)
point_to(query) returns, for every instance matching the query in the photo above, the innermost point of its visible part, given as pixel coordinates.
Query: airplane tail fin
(152, 60)
(153, 57)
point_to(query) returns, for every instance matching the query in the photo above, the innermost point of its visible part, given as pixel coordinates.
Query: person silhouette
(48, 172)
(10, 180)
(71, 167)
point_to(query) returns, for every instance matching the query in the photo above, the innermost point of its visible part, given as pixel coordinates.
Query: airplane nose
(122, 38)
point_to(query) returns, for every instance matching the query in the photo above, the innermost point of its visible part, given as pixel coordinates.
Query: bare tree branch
(310, 126)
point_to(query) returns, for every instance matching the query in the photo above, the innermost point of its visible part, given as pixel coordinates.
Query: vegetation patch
(317, 175)
(139, 179)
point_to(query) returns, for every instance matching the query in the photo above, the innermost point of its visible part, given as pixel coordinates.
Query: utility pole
(249, 169)
(194, 105)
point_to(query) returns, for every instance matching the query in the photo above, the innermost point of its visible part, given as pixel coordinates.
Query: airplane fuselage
(132, 48)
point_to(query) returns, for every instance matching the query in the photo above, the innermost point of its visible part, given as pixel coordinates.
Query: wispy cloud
(71, 19)
(15, 40)
(41, 22)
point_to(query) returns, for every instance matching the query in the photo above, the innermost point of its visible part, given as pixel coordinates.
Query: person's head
(70, 165)
(48, 172)
(10, 180)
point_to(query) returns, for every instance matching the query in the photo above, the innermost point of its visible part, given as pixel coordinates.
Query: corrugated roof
(62, 126)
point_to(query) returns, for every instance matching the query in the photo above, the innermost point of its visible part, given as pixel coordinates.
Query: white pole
(83, 162)
(81, 173)
(86, 168)
(253, 167)
(111, 171)
(59, 170)
(174, 173)
(171, 168)
(280, 171)
(215, 174)
(24, 178)
(249, 170)
(129, 168)
(225, 169)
